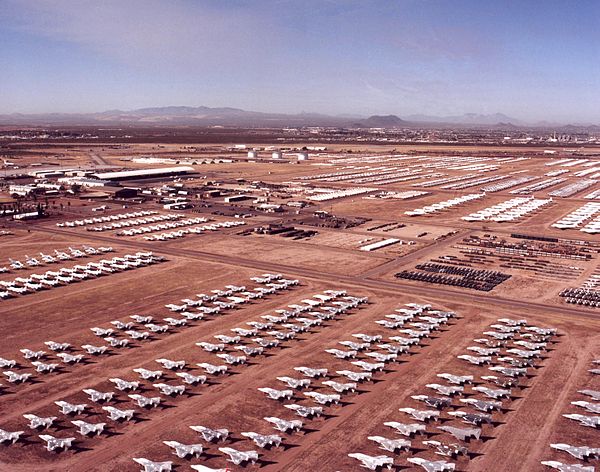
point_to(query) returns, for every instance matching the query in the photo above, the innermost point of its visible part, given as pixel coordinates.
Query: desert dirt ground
(517, 440)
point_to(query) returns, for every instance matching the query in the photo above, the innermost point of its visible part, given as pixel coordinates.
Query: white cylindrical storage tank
(276, 155)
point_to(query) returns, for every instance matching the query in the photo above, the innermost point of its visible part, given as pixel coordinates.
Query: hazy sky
(533, 60)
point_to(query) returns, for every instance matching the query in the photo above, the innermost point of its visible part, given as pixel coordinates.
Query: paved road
(390, 287)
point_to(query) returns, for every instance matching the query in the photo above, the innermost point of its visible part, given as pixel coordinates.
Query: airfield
(332, 244)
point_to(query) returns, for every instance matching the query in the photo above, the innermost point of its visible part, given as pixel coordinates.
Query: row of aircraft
(274, 283)
(163, 226)
(107, 218)
(311, 313)
(581, 452)
(67, 275)
(57, 256)
(193, 230)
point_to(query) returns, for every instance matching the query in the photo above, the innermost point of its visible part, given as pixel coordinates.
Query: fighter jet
(595, 394)
(520, 363)
(445, 389)
(492, 393)
(591, 421)
(114, 342)
(530, 345)
(472, 418)
(490, 343)
(355, 376)
(211, 435)
(406, 429)
(249, 350)
(185, 450)
(94, 350)
(432, 466)
(172, 365)
(38, 422)
(524, 354)
(170, 390)
(152, 466)
(310, 372)
(589, 406)
(213, 369)
(369, 366)
(266, 343)
(461, 434)
(284, 425)
(228, 339)
(342, 354)
(137, 335)
(482, 405)
(373, 462)
(355, 346)
(4, 363)
(244, 332)
(379, 357)
(263, 440)
(97, 396)
(87, 429)
(148, 374)
(450, 450)
(9, 437)
(322, 398)
(102, 331)
(47, 258)
(233, 360)
(70, 358)
(421, 415)
(124, 385)
(53, 443)
(16, 265)
(568, 467)
(44, 368)
(157, 328)
(415, 333)
(484, 351)
(500, 336)
(29, 354)
(122, 325)
(506, 329)
(175, 321)
(141, 319)
(340, 387)
(368, 338)
(67, 408)
(305, 411)
(511, 322)
(14, 377)
(54, 346)
(509, 371)
(240, 457)
(191, 379)
(582, 452)
(116, 414)
(393, 348)
(391, 445)
(542, 331)
(145, 402)
(277, 394)
(477, 360)
(456, 379)
(435, 402)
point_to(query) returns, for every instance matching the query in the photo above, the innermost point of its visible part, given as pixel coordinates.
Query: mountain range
(225, 116)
